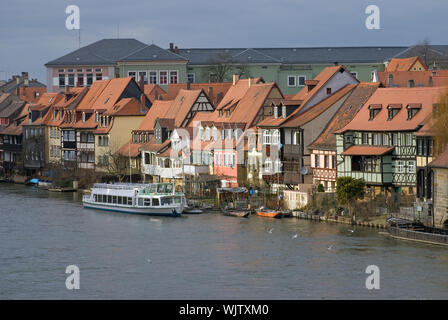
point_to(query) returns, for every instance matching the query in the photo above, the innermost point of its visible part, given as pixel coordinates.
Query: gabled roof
(127, 107)
(245, 102)
(92, 95)
(111, 93)
(384, 97)
(420, 78)
(310, 114)
(327, 140)
(153, 91)
(404, 64)
(441, 161)
(158, 110)
(217, 87)
(102, 52)
(181, 106)
(152, 53)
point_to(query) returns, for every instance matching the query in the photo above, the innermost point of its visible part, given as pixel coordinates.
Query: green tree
(349, 190)
(320, 188)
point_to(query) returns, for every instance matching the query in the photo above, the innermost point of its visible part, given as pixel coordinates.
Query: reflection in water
(206, 256)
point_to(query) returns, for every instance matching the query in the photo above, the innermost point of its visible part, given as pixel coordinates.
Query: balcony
(154, 170)
(195, 170)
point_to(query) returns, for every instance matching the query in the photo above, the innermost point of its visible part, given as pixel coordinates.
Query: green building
(288, 67)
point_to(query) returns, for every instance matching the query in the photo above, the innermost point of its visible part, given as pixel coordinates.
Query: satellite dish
(304, 171)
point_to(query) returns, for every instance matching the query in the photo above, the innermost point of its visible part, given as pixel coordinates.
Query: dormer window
(97, 117)
(374, 109)
(393, 109)
(283, 112)
(227, 113)
(413, 108)
(60, 115)
(328, 90)
(220, 113)
(54, 114)
(83, 117)
(275, 112)
(207, 134)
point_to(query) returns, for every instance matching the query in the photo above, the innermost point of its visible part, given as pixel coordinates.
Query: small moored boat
(157, 199)
(269, 213)
(192, 210)
(236, 213)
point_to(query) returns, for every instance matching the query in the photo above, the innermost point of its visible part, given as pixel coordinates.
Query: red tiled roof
(441, 161)
(156, 147)
(246, 103)
(127, 107)
(153, 91)
(217, 88)
(157, 110)
(300, 119)
(327, 140)
(367, 151)
(420, 78)
(404, 64)
(385, 96)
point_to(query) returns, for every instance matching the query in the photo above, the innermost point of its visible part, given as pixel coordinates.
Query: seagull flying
(350, 230)
(294, 236)
(330, 247)
(270, 230)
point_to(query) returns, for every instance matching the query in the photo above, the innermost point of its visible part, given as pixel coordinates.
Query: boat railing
(119, 186)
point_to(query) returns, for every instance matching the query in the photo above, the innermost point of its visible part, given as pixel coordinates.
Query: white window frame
(169, 76)
(298, 82)
(295, 81)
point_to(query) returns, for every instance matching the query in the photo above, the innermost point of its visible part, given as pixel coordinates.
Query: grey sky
(33, 32)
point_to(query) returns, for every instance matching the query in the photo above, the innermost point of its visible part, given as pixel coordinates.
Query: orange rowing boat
(269, 213)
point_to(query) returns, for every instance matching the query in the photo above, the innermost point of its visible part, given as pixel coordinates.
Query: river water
(207, 256)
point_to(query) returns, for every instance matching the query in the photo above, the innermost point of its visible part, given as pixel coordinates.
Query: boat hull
(239, 214)
(167, 212)
(275, 214)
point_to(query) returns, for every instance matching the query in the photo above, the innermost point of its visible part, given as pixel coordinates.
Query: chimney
(142, 84)
(176, 49)
(235, 79)
(188, 85)
(142, 102)
(249, 81)
(210, 93)
(219, 97)
(171, 46)
(66, 90)
(336, 63)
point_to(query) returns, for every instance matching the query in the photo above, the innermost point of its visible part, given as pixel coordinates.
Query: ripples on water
(206, 256)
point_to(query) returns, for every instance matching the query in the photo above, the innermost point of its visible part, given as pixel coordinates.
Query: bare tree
(222, 65)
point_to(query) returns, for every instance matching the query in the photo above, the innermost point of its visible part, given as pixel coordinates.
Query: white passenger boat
(158, 199)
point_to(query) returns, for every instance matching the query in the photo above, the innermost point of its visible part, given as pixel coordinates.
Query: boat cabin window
(147, 202)
(109, 199)
(120, 200)
(177, 200)
(167, 201)
(129, 201)
(155, 202)
(140, 202)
